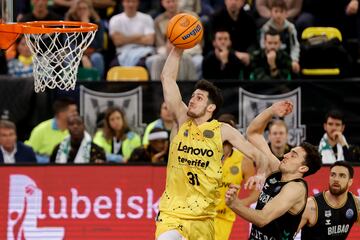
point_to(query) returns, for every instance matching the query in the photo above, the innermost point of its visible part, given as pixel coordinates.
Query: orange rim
(39, 27)
(11, 28)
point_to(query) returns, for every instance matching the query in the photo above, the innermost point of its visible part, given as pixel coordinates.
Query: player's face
(339, 181)
(278, 136)
(7, 138)
(116, 121)
(198, 104)
(293, 161)
(333, 125)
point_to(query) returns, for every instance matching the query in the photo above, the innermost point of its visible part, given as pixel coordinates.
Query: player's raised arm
(255, 131)
(230, 134)
(171, 90)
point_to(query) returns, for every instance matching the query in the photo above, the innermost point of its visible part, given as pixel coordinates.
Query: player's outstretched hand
(231, 195)
(282, 108)
(257, 181)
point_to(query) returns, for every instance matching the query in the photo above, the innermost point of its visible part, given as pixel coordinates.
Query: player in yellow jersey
(236, 169)
(194, 171)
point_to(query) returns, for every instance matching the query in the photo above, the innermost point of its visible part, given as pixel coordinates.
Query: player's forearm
(258, 125)
(251, 215)
(171, 67)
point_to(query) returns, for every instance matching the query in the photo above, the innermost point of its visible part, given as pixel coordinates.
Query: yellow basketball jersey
(194, 171)
(232, 173)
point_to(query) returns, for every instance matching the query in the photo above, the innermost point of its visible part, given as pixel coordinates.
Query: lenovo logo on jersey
(25, 203)
(195, 151)
(193, 32)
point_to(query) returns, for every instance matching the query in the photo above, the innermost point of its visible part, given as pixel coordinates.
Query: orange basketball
(184, 30)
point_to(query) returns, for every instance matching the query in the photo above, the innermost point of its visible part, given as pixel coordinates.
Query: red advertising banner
(95, 202)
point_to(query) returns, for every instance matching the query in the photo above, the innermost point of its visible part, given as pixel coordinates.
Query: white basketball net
(56, 58)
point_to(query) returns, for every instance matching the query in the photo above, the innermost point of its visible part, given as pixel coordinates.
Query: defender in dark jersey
(283, 198)
(329, 215)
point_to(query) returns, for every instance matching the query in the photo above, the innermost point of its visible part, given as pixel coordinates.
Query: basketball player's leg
(171, 235)
(202, 229)
(169, 227)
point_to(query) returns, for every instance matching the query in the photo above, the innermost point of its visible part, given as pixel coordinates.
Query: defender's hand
(282, 108)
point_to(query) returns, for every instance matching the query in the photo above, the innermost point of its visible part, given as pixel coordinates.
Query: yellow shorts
(222, 229)
(190, 229)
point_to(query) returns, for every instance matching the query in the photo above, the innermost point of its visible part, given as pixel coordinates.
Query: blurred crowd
(243, 39)
(64, 139)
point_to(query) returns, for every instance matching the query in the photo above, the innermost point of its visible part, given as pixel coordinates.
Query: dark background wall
(21, 104)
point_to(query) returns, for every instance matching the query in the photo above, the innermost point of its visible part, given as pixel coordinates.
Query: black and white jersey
(285, 226)
(332, 223)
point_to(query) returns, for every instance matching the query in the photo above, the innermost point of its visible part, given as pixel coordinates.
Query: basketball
(184, 30)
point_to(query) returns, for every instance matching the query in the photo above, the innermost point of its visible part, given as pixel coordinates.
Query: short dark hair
(272, 32)
(312, 158)
(279, 4)
(345, 165)
(61, 104)
(5, 124)
(228, 118)
(215, 95)
(336, 114)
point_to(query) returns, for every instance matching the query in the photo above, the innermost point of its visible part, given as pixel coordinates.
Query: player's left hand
(257, 181)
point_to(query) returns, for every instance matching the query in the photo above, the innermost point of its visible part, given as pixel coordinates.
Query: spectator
(162, 45)
(13, 151)
(271, 62)
(78, 146)
(278, 138)
(295, 13)
(83, 11)
(46, 135)
(156, 151)
(187, 69)
(165, 122)
(133, 35)
(287, 31)
(333, 145)
(22, 64)
(240, 25)
(40, 12)
(190, 5)
(222, 63)
(116, 138)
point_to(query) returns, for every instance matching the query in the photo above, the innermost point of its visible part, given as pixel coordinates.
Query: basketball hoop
(57, 48)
